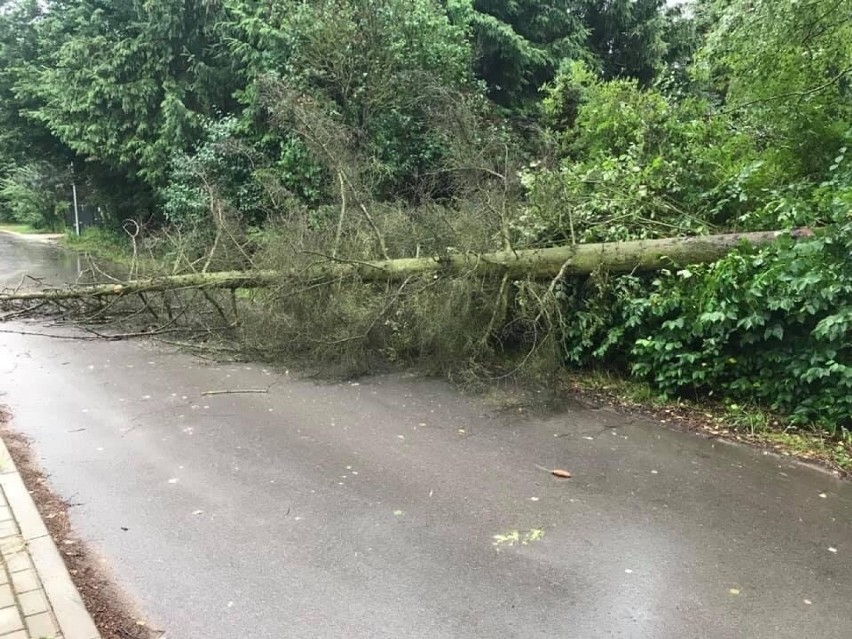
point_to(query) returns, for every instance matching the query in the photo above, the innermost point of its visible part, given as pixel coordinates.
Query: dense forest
(243, 134)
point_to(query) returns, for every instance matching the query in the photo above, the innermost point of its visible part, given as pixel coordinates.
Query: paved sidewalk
(38, 600)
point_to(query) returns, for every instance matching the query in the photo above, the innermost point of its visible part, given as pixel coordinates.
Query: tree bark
(545, 263)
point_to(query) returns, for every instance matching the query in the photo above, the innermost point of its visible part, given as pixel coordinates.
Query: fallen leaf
(562, 474)
(517, 538)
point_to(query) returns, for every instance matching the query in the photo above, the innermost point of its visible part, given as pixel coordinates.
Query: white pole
(76, 210)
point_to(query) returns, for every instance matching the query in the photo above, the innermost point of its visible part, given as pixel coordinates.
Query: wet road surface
(397, 507)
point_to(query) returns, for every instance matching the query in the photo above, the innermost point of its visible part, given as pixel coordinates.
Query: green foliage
(814, 201)
(627, 37)
(109, 245)
(635, 163)
(18, 44)
(31, 194)
(770, 327)
(599, 320)
(217, 169)
(375, 70)
(519, 44)
(766, 328)
(360, 128)
(782, 68)
(126, 82)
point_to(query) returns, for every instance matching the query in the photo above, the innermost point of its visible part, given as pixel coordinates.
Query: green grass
(101, 244)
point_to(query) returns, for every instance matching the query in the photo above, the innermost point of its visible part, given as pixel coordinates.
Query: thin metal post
(76, 210)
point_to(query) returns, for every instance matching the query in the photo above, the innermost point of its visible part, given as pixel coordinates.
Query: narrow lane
(397, 507)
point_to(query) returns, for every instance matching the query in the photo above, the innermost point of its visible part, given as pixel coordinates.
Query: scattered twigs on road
(110, 337)
(84, 338)
(21, 312)
(247, 391)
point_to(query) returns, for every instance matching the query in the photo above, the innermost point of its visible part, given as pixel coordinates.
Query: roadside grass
(101, 244)
(744, 423)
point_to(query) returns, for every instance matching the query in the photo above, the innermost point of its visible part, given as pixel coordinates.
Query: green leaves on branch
(771, 327)
(632, 163)
(784, 71)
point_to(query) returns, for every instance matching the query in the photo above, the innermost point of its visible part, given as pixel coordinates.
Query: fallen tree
(543, 263)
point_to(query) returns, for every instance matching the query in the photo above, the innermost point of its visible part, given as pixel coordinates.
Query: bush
(768, 326)
(30, 195)
(636, 163)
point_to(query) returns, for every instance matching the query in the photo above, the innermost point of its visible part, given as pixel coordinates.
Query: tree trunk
(546, 263)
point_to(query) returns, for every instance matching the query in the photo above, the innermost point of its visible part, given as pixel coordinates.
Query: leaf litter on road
(517, 538)
(556, 472)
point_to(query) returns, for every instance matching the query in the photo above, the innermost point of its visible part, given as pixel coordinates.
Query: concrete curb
(74, 620)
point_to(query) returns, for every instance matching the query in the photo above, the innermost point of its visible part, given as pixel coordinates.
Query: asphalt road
(397, 507)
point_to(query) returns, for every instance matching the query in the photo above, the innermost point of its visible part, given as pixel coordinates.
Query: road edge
(42, 238)
(70, 612)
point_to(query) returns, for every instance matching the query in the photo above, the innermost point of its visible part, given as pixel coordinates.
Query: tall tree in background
(519, 44)
(626, 37)
(372, 71)
(33, 163)
(126, 82)
(18, 46)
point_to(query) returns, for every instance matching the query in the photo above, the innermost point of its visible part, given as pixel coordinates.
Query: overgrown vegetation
(246, 134)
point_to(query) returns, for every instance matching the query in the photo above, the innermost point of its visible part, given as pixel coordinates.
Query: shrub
(769, 326)
(30, 195)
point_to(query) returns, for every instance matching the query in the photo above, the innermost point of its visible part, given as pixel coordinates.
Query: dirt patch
(109, 608)
(44, 238)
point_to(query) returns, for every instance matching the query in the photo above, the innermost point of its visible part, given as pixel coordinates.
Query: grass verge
(101, 244)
